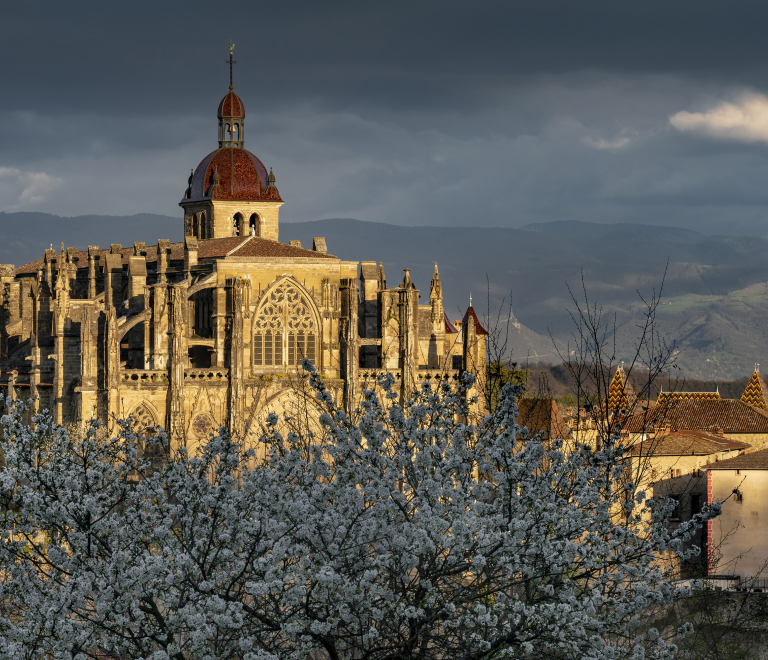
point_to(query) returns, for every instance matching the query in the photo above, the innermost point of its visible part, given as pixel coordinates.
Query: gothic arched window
(284, 329)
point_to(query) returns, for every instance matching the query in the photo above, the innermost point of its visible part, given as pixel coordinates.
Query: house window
(676, 510)
(695, 504)
(285, 331)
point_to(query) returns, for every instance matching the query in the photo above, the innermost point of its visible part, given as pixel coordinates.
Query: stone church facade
(211, 331)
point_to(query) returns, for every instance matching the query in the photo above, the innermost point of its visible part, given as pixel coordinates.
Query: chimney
(318, 244)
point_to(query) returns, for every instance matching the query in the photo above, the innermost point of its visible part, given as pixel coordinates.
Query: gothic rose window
(284, 329)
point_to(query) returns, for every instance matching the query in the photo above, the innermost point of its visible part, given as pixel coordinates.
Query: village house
(738, 538)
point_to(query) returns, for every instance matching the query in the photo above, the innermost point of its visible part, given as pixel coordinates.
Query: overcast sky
(440, 113)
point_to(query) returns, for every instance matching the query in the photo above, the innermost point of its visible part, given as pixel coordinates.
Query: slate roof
(756, 392)
(470, 313)
(687, 443)
(542, 415)
(728, 415)
(757, 460)
(665, 397)
(212, 248)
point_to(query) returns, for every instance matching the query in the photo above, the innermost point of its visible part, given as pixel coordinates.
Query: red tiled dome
(231, 106)
(249, 181)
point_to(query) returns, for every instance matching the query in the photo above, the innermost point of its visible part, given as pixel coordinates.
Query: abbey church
(211, 331)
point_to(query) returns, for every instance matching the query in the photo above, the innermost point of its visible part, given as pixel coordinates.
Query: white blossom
(402, 532)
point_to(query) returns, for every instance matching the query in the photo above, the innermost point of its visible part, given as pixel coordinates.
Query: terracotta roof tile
(216, 247)
(665, 397)
(262, 247)
(687, 443)
(251, 180)
(728, 415)
(756, 460)
(231, 106)
(542, 415)
(756, 392)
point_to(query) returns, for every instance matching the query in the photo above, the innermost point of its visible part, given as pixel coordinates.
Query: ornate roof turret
(231, 114)
(756, 392)
(621, 396)
(470, 314)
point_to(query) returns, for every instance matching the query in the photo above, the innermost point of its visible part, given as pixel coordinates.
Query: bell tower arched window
(254, 225)
(238, 225)
(285, 330)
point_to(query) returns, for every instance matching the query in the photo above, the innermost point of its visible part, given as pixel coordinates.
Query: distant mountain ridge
(715, 303)
(578, 228)
(26, 234)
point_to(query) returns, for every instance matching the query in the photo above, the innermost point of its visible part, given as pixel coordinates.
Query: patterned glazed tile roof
(687, 443)
(231, 106)
(727, 415)
(212, 248)
(479, 329)
(449, 329)
(756, 460)
(542, 415)
(756, 392)
(621, 395)
(665, 397)
(250, 180)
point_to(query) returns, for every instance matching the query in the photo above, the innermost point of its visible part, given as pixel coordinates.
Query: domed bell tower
(231, 192)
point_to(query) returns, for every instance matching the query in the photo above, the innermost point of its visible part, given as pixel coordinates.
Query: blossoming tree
(401, 531)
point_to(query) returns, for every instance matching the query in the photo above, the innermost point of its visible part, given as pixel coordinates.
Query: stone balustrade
(210, 374)
(143, 376)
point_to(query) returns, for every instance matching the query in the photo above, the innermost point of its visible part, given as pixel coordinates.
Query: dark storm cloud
(495, 113)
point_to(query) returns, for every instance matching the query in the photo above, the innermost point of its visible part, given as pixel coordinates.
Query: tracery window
(285, 331)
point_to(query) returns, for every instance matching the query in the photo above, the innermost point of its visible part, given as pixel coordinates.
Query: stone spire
(437, 313)
(435, 286)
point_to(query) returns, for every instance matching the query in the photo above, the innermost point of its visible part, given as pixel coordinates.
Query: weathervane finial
(231, 62)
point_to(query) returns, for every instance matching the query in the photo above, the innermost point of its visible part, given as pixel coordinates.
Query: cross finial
(470, 299)
(231, 62)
